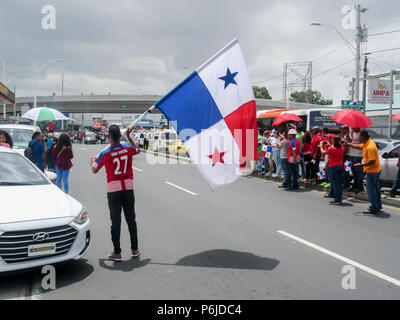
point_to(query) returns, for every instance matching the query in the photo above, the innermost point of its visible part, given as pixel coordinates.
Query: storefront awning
(6, 95)
(272, 113)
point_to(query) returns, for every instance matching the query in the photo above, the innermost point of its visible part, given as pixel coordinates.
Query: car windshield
(168, 136)
(20, 137)
(16, 170)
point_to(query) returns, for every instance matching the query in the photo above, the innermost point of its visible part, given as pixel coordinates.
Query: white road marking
(180, 188)
(344, 259)
(137, 169)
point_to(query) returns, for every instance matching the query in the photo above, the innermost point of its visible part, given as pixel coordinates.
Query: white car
(20, 134)
(39, 224)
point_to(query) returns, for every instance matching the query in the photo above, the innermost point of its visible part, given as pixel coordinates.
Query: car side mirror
(52, 176)
(385, 155)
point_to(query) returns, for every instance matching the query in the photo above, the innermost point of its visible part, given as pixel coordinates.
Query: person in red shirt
(316, 154)
(117, 160)
(336, 168)
(294, 159)
(307, 153)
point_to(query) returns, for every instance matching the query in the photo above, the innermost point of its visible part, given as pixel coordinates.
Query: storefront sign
(379, 91)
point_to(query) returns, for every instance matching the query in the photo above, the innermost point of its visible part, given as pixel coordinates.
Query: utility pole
(392, 73)
(365, 83)
(358, 54)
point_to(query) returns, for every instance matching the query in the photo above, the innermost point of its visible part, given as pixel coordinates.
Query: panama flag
(347, 166)
(266, 151)
(214, 113)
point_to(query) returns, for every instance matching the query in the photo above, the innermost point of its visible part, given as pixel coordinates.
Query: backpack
(30, 153)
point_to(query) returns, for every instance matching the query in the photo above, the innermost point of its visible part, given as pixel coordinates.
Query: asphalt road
(249, 240)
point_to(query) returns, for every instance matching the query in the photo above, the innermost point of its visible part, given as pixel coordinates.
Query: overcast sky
(149, 46)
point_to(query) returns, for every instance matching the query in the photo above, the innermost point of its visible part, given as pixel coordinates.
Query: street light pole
(37, 74)
(358, 53)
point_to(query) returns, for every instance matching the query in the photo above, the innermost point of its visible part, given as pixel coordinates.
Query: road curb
(168, 156)
(362, 196)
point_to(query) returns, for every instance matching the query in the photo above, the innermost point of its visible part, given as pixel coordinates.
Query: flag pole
(150, 110)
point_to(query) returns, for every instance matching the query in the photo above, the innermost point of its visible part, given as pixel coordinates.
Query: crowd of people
(347, 159)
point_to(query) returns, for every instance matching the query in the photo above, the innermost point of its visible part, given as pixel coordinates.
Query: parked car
(20, 134)
(162, 140)
(388, 156)
(34, 232)
(177, 148)
(90, 138)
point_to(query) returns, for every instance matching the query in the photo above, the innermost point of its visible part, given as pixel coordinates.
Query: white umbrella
(44, 114)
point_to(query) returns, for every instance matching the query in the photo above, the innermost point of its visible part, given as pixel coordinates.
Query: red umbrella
(352, 118)
(285, 117)
(396, 117)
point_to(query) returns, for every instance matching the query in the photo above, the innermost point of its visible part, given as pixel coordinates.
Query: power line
(332, 69)
(384, 25)
(378, 34)
(376, 4)
(387, 63)
(386, 50)
(273, 78)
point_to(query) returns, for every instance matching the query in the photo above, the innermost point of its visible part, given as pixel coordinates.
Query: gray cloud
(141, 46)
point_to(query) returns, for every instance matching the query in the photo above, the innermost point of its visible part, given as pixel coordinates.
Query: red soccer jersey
(295, 144)
(119, 169)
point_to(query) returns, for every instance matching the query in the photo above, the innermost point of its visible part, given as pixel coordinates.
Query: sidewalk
(362, 196)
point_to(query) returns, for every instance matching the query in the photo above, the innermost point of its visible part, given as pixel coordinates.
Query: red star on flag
(217, 157)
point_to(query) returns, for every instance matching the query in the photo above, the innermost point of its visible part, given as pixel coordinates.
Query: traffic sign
(124, 107)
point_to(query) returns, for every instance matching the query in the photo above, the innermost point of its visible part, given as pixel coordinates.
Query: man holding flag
(214, 113)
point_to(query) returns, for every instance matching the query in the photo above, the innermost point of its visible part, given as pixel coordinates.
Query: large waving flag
(214, 113)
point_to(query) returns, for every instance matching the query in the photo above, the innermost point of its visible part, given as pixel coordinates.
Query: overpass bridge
(121, 104)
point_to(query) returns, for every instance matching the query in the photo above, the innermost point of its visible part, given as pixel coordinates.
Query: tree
(261, 93)
(304, 97)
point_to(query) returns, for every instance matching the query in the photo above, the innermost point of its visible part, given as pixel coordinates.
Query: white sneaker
(274, 175)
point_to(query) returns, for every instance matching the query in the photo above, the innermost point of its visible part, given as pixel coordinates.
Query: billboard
(379, 91)
(323, 119)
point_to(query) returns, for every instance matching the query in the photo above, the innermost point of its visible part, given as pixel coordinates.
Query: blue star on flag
(229, 78)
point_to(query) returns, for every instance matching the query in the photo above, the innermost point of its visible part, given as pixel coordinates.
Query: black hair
(325, 130)
(115, 132)
(64, 141)
(365, 134)
(35, 135)
(337, 142)
(307, 137)
(8, 138)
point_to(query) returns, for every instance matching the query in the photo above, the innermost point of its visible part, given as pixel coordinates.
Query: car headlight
(82, 217)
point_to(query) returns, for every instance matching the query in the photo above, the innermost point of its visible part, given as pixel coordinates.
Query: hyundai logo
(40, 236)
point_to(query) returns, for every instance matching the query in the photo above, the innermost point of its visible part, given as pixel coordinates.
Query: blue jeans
(374, 191)
(396, 182)
(302, 166)
(277, 158)
(286, 174)
(259, 163)
(62, 176)
(294, 174)
(266, 164)
(336, 174)
(358, 173)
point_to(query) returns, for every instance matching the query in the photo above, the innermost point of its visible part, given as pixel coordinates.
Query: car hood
(29, 203)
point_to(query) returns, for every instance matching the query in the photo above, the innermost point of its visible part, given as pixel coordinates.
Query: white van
(162, 140)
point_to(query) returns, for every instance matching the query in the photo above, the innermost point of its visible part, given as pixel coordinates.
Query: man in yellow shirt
(372, 169)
